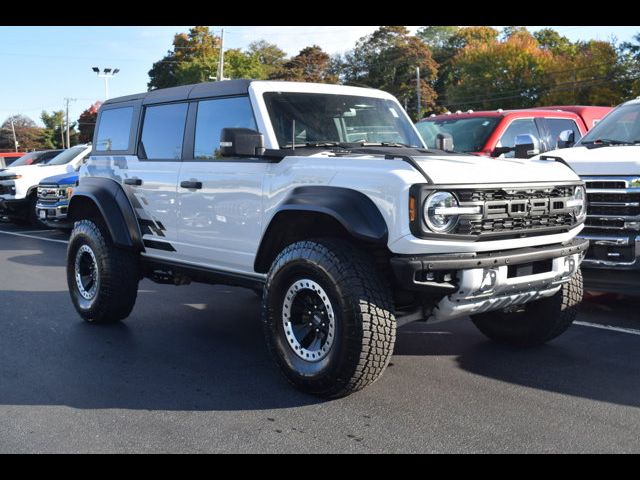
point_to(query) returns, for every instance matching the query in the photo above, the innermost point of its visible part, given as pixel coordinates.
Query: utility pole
(221, 59)
(419, 107)
(67, 100)
(62, 133)
(15, 140)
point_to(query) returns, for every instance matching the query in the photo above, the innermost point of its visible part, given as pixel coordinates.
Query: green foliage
(387, 59)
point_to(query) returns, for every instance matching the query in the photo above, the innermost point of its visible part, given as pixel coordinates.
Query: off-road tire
(118, 274)
(365, 326)
(540, 322)
(31, 216)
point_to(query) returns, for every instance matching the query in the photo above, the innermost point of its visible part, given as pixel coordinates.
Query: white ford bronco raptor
(325, 198)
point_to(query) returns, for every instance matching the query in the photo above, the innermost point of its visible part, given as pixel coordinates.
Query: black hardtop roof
(184, 92)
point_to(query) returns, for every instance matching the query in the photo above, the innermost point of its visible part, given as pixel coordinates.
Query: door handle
(133, 181)
(194, 185)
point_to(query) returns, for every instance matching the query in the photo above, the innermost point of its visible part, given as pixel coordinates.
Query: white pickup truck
(19, 184)
(608, 160)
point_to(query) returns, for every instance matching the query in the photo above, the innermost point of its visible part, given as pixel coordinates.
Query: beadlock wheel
(308, 320)
(86, 272)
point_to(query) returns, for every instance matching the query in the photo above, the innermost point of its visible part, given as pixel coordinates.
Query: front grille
(613, 219)
(49, 194)
(5, 189)
(516, 211)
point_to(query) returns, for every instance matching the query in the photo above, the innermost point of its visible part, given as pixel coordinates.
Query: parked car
(494, 133)
(608, 160)
(19, 183)
(53, 199)
(325, 197)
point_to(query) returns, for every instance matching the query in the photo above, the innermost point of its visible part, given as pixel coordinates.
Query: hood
(474, 169)
(16, 170)
(63, 179)
(617, 160)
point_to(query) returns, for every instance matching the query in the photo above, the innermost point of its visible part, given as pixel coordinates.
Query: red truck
(493, 132)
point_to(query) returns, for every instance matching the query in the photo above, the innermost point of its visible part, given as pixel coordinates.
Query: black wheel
(102, 279)
(536, 322)
(328, 317)
(32, 216)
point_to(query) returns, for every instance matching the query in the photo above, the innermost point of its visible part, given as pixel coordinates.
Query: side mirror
(241, 142)
(526, 145)
(566, 139)
(444, 141)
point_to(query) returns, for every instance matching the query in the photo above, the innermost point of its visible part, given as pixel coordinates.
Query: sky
(41, 66)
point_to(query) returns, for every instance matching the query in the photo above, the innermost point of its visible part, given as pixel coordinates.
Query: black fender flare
(353, 210)
(112, 202)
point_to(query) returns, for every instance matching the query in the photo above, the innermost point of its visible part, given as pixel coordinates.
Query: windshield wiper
(609, 141)
(329, 143)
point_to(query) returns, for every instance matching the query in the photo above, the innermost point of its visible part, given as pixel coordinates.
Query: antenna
(293, 134)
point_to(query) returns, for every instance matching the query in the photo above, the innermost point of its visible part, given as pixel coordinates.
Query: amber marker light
(412, 208)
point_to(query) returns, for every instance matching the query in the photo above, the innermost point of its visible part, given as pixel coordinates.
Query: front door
(220, 198)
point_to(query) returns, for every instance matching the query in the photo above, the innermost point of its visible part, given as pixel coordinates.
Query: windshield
(329, 118)
(622, 125)
(66, 156)
(34, 158)
(469, 134)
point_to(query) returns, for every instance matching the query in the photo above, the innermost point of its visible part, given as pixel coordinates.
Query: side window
(517, 127)
(115, 127)
(557, 125)
(163, 132)
(213, 116)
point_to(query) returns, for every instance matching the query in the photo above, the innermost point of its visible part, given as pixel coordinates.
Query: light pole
(106, 73)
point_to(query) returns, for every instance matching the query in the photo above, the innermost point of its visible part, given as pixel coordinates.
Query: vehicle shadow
(166, 356)
(584, 362)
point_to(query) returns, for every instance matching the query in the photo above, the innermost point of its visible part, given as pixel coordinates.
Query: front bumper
(467, 284)
(13, 207)
(53, 214)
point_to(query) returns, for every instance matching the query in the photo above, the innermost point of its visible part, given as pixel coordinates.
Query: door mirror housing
(566, 139)
(526, 146)
(241, 142)
(444, 141)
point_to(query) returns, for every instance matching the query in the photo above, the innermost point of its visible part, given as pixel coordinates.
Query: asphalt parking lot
(188, 372)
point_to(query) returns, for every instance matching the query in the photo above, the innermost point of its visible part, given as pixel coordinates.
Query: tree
(551, 40)
(87, 123)
(588, 73)
(268, 56)
(28, 134)
(629, 54)
(193, 58)
(492, 74)
(53, 133)
(312, 64)
(387, 59)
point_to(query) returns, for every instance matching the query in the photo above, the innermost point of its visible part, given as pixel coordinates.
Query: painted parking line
(608, 327)
(17, 234)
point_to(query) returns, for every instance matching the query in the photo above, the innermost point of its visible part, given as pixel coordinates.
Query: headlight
(579, 203)
(437, 214)
(10, 177)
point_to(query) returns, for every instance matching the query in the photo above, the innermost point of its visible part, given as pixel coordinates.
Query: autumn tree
(387, 59)
(590, 73)
(494, 73)
(87, 123)
(28, 134)
(312, 64)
